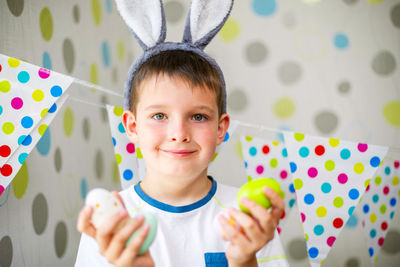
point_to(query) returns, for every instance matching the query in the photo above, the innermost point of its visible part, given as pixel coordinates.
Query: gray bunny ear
(205, 19)
(146, 20)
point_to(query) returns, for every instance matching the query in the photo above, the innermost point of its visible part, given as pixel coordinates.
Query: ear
(146, 20)
(205, 19)
(129, 122)
(223, 126)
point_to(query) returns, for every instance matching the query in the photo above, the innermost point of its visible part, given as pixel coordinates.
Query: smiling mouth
(179, 153)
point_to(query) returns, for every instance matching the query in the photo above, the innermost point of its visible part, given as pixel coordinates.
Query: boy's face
(177, 127)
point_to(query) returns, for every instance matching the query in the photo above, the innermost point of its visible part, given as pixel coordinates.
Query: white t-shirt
(185, 234)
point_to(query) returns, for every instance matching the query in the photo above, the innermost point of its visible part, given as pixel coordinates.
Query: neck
(176, 191)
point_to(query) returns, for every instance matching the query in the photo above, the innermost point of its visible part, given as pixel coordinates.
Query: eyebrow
(200, 107)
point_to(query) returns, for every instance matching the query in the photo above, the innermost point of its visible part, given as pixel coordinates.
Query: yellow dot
(139, 153)
(42, 128)
(321, 211)
(378, 180)
(43, 112)
(96, 12)
(298, 183)
(94, 74)
(333, 142)
(358, 168)
(298, 137)
(121, 50)
(8, 128)
(338, 202)
(249, 178)
(306, 236)
(20, 181)
(118, 111)
(366, 183)
(273, 163)
(13, 62)
(284, 108)
(46, 24)
(5, 86)
(215, 155)
(376, 259)
(97, 205)
(373, 218)
(118, 158)
(38, 95)
(395, 181)
(391, 112)
(230, 30)
(275, 143)
(248, 138)
(68, 121)
(329, 165)
(382, 209)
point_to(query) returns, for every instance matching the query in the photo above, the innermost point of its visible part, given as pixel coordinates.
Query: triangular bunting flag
(378, 205)
(329, 177)
(268, 159)
(30, 96)
(232, 127)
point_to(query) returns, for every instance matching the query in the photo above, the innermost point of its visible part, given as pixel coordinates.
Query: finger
(277, 204)
(249, 225)
(117, 244)
(117, 195)
(84, 225)
(108, 228)
(132, 250)
(234, 235)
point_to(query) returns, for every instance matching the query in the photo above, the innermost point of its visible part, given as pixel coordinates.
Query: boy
(177, 119)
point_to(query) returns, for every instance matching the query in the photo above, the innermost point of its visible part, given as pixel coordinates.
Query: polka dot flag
(128, 155)
(269, 159)
(378, 205)
(30, 98)
(329, 177)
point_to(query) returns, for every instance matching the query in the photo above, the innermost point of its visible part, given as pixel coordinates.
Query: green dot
(94, 74)
(382, 209)
(273, 163)
(373, 218)
(118, 111)
(121, 50)
(298, 137)
(395, 181)
(321, 211)
(333, 142)
(366, 183)
(5, 86)
(118, 158)
(139, 153)
(338, 202)
(329, 165)
(306, 237)
(248, 138)
(284, 108)
(68, 121)
(230, 30)
(42, 128)
(8, 128)
(46, 24)
(298, 183)
(215, 155)
(96, 11)
(115, 173)
(391, 112)
(378, 180)
(20, 181)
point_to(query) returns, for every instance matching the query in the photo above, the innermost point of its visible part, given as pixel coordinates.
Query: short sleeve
(272, 254)
(89, 255)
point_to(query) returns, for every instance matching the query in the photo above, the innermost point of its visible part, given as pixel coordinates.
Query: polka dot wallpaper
(328, 68)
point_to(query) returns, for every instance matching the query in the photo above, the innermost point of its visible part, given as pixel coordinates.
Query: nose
(179, 131)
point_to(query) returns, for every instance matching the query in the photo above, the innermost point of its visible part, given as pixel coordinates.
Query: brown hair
(187, 65)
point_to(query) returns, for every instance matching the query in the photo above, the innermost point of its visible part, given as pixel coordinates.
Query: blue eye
(159, 116)
(199, 117)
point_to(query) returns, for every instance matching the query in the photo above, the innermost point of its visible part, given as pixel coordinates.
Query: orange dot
(115, 204)
(97, 205)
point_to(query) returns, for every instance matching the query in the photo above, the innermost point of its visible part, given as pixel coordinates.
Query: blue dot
(284, 152)
(108, 6)
(371, 252)
(291, 202)
(318, 229)
(21, 139)
(391, 215)
(372, 233)
(56, 91)
(326, 188)
(341, 41)
(46, 61)
(121, 128)
(291, 188)
(345, 153)
(27, 122)
(393, 202)
(105, 51)
(293, 167)
(245, 164)
(304, 152)
(226, 138)
(375, 161)
(253, 151)
(128, 174)
(84, 188)
(22, 157)
(352, 222)
(43, 146)
(354, 194)
(309, 199)
(351, 210)
(27, 141)
(387, 170)
(313, 252)
(114, 141)
(23, 77)
(264, 7)
(366, 208)
(53, 108)
(1, 110)
(375, 198)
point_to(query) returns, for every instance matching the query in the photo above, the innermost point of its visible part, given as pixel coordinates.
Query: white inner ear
(205, 15)
(143, 17)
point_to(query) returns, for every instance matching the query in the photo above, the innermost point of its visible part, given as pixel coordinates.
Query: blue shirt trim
(177, 209)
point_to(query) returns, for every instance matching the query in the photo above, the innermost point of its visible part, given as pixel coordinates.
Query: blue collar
(176, 209)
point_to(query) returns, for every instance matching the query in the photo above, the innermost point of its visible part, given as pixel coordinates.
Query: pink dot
(396, 164)
(283, 174)
(362, 147)
(312, 172)
(1, 190)
(303, 217)
(386, 190)
(17, 103)
(331, 240)
(367, 189)
(342, 178)
(260, 169)
(278, 229)
(44, 73)
(380, 241)
(130, 148)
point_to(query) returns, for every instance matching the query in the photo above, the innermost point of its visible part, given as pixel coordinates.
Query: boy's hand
(112, 235)
(258, 229)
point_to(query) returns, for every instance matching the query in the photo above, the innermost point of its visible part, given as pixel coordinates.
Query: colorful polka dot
(342, 178)
(318, 229)
(22, 157)
(309, 198)
(44, 73)
(265, 149)
(23, 77)
(341, 41)
(395, 181)
(291, 188)
(384, 226)
(293, 167)
(329, 165)
(358, 168)
(128, 174)
(121, 128)
(372, 233)
(319, 150)
(351, 210)
(303, 217)
(373, 218)
(321, 211)
(5, 86)
(393, 202)
(56, 91)
(354, 194)
(312, 172)
(380, 241)
(375, 161)
(264, 7)
(382, 209)
(284, 152)
(260, 169)
(366, 208)
(130, 148)
(387, 170)
(273, 163)
(6, 170)
(38, 95)
(338, 202)
(283, 174)
(17, 103)
(375, 198)
(298, 137)
(345, 154)
(304, 152)
(253, 151)
(326, 188)
(27, 122)
(337, 223)
(5, 151)
(334, 142)
(8, 128)
(331, 240)
(298, 183)
(13, 62)
(386, 190)
(313, 252)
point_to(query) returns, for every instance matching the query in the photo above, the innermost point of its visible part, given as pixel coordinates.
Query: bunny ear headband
(146, 20)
